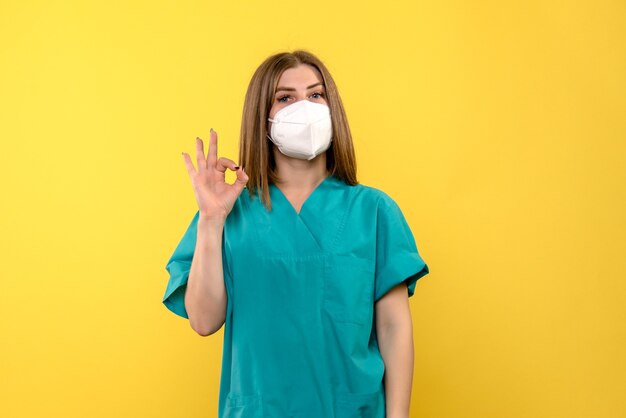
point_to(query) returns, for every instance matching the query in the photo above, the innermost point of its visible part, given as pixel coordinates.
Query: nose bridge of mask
(309, 110)
(284, 113)
(317, 112)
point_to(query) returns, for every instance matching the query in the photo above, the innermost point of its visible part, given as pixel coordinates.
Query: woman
(309, 271)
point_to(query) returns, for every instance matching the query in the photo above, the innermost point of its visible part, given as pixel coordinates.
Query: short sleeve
(178, 267)
(397, 256)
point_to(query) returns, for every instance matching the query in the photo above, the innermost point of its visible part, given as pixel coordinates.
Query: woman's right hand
(215, 197)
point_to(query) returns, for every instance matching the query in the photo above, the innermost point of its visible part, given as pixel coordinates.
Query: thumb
(241, 180)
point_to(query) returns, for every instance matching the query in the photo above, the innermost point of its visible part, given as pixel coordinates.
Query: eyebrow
(292, 89)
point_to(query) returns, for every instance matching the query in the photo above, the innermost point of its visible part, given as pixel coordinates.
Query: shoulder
(374, 196)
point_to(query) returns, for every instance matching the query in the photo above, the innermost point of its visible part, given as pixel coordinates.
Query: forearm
(205, 297)
(396, 347)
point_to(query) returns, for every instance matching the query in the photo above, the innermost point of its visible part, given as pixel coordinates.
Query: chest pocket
(348, 289)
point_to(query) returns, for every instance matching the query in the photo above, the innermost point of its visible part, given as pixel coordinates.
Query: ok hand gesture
(215, 197)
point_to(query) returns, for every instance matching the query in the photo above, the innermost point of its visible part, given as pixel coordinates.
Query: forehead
(300, 76)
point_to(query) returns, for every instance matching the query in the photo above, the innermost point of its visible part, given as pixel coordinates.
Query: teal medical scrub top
(299, 335)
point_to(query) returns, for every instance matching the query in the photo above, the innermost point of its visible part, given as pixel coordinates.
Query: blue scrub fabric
(299, 335)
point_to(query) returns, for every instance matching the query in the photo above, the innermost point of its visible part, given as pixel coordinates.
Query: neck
(298, 174)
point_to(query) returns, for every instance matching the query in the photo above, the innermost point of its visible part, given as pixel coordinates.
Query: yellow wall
(498, 126)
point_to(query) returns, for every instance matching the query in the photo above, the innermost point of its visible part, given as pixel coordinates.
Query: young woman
(309, 271)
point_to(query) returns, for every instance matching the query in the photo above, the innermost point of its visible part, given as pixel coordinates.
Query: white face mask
(302, 129)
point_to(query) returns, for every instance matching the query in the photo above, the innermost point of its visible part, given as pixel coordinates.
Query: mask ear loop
(270, 138)
(267, 134)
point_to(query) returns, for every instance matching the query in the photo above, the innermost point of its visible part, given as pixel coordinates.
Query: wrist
(211, 221)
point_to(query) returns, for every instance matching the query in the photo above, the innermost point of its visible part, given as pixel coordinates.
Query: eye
(318, 95)
(281, 98)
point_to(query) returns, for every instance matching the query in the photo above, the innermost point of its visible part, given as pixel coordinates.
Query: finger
(190, 169)
(241, 180)
(223, 163)
(212, 157)
(202, 164)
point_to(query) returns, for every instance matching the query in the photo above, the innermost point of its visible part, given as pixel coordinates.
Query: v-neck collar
(311, 195)
(283, 232)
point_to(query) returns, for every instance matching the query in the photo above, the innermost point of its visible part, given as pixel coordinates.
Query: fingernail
(236, 167)
(211, 129)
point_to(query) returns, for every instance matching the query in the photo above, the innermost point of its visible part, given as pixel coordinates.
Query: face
(303, 82)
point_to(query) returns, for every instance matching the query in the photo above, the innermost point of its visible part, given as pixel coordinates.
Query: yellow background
(498, 127)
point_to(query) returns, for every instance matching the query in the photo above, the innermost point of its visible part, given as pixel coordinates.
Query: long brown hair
(255, 152)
